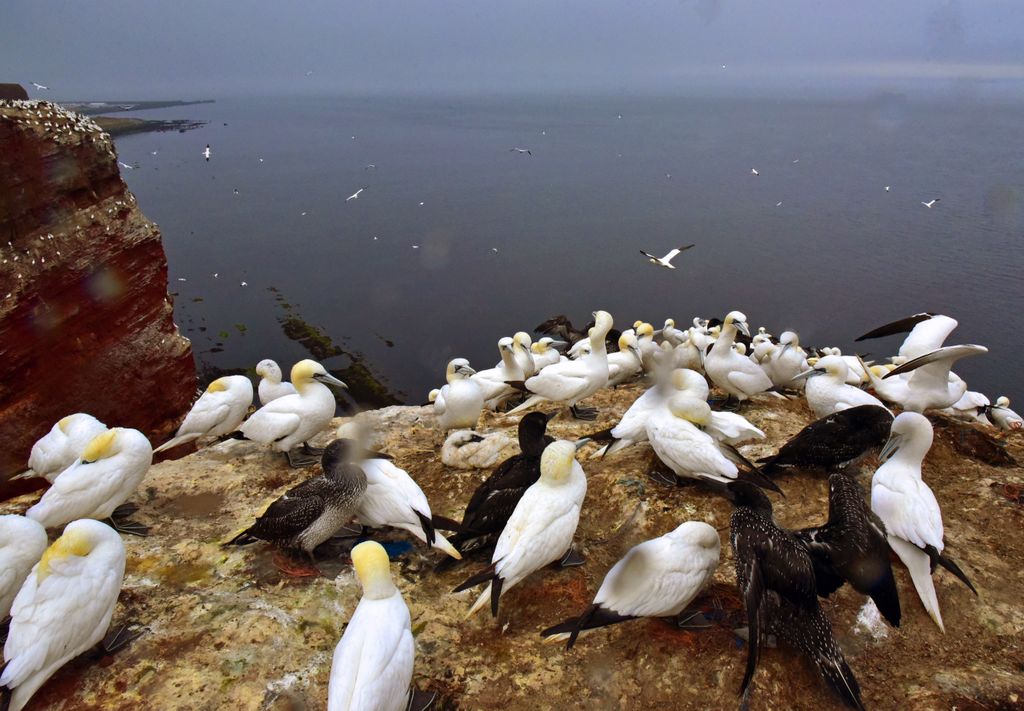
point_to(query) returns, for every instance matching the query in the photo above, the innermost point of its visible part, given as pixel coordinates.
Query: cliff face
(226, 629)
(85, 320)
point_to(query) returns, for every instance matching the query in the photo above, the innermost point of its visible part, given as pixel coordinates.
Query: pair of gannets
(541, 528)
(909, 510)
(571, 381)
(63, 608)
(458, 404)
(107, 473)
(61, 447)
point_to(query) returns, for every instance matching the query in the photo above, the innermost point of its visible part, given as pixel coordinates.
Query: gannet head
(218, 386)
(557, 461)
(637, 324)
(1002, 401)
(738, 321)
(373, 568)
(670, 323)
(602, 325)
(80, 538)
(830, 365)
(645, 330)
(65, 423)
(431, 396)
(789, 339)
(522, 340)
(458, 369)
(306, 371)
(740, 348)
(102, 446)
(628, 342)
(269, 370)
(690, 409)
(910, 433)
(505, 345)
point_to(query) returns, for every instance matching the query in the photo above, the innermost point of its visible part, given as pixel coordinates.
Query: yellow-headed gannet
(1003, 417)
(373, 662)
(540, 530)
(465, 449)
(785, 362)
(627, 362)
(218, 411)
(61, 447)
(461, 400)
(63, 609)
(931, 385)
(737, 375)
(22, 542)
(827, 390)
(292, 420)
(494, 381)
(545, 352)
(271, 385)
(908, 507)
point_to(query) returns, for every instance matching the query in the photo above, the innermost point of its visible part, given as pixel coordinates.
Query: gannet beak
(636, 352)
(808, 374)
(890, 448)
(581, 442)
(559, 345)
(328, 379)
(742, 328)
(551, 415)
(784, 349)
(464, 370)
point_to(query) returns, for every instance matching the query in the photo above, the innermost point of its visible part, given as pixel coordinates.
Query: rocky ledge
(83, 288)
(225, 628)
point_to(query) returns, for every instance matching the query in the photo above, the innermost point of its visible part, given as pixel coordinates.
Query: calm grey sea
(838, 257)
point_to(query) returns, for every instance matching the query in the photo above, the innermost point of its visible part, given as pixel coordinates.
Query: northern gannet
(61, 447)
(373, 662)
(291, 420)
(972, 406)
(572, 381)
(520, 150)
(832, 441)
(665, 261)
(523, 353)
(737, 375)
(827, 390)
(786, 361)
(355, 195)
(271, 384)
(393, 499)
(646, 345)
(931, 386)
(927, 332)
(310, 513)
(466, 449)
(460, 401)
(494, 382)
(207, 153)
(63, 609)
(627, 362)
(852, 547)
(931, 203)
(496, 498)
(22, 543)
(40, 87)
(677, 437)
(656, 578)
(545, 352)
(540, 530)
(1003, 417)
(673, 335)
(218, 411)
(907, 507)
(109, 471)
(753, 171)
(775, 577)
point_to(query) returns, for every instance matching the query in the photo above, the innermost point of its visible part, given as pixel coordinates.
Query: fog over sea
(608, 176)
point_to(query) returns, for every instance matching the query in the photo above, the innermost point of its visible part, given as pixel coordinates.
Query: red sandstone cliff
(86, 323)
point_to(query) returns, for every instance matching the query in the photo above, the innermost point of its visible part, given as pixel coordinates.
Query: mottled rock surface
(86, 323)
(228, 630)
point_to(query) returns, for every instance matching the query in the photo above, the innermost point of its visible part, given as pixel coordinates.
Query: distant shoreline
(92, 108)
(118, 126)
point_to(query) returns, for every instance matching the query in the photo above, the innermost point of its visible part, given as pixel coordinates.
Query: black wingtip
(952, 567)
(428, 527)
(444, 523)
(496, 584)
(485, 575)
(519, 385)
(890, 329)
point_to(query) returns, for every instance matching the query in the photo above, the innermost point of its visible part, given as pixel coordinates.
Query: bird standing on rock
(271, 385)
(459, 403)
(218, 411)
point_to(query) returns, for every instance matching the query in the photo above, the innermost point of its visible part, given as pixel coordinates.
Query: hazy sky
(211, 48)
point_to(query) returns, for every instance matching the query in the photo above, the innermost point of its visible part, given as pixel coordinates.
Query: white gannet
(827, 390)
(786, 361)
(927, 332)
(520, 150)
(523, 353)
(465, 449)
(292, 420)
(64, 607)
(972, 406)
(931, 386)
(40, 87)
(393, 499)
(656, 578)
(665, 261)
(627, 362)
(907, 507)
(931, 203)
(218, 411)
(22, 542)
(737, 375)
(111, 468)
(461, 400)
(355, 195)
(494, 381)
(753, 171)
(645, 343)
(545, 352)
(61, 447)
(373, 662)
(207, 153)
(1003, 417)
(271, 385)
(540, 530)
(574, 380)
(673, 335)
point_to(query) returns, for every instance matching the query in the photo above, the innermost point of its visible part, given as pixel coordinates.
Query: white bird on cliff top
(665, 261)
(373, 662)
(656, 578)
(909, 510)
(394, 499)
(61, 447)
(1003, 417)
(63, 609)
(271, 385)
(460, 401)
(111, 468)
(218, 411)
(291, 420)
(930, 384)
(540, 530)
(22, 543)
(737, 375)
(827, 390)
(494, 381)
